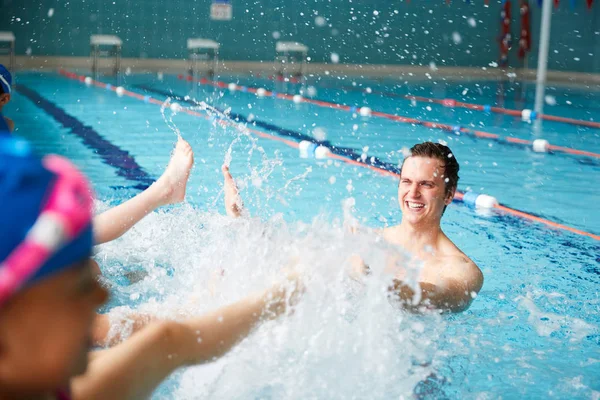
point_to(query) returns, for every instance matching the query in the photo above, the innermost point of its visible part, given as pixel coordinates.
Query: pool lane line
(151, 100)
(451, 103)
(109, 153)
(459, 196)
(544, 221)
(284, 132)
(454, 129)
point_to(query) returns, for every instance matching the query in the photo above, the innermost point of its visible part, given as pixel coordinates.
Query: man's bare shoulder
(389, 233)
(451, 254)
(451, 282)
(451, 264)
(459, 267)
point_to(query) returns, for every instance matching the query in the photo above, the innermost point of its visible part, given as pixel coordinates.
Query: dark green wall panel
(415, 32)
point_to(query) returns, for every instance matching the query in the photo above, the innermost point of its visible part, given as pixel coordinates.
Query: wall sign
(220, 10)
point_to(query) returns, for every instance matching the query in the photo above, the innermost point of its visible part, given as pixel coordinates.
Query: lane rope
(538, 145)
(454, 103)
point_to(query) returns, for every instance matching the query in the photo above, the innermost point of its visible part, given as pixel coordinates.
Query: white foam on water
(546, 323)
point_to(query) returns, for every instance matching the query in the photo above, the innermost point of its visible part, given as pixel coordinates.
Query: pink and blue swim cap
(46, 213)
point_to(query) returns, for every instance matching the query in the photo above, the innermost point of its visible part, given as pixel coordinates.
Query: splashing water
(241, 132)
(169, 120)
(194, 262)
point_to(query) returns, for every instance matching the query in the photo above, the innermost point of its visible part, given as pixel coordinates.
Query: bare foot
(173, 181)
(233, 201)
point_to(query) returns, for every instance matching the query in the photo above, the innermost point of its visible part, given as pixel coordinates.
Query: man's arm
(449, 284)
(449, 298)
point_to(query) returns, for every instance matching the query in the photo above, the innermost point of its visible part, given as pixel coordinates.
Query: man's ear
(4, 98)
(449, 196)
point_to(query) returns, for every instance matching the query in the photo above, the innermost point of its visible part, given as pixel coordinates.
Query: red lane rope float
(479, 107)
(546, 222)
(500, 110)
(468, 197)
(434, 125)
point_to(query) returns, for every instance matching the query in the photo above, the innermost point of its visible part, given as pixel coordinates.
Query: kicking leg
(233, 202)
(168, 189)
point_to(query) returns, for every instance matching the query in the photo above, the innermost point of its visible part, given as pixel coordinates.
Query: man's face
(422, 190)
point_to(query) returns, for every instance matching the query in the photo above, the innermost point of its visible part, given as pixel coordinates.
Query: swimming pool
(533, 331)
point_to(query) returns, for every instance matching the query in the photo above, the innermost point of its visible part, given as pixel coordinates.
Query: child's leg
(233, 202)
(168, 189)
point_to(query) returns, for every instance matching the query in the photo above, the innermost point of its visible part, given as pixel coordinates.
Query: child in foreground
(49, 296)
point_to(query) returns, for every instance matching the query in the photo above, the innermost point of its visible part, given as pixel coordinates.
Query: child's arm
(133, 369)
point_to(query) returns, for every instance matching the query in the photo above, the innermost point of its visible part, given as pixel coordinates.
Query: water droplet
(257, 182)
(320, 134)
(456, 38)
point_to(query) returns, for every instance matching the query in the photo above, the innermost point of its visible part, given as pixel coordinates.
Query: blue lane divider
(288, 133)
(110, 154)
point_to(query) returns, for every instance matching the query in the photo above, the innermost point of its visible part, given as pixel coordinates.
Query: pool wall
(404, 72)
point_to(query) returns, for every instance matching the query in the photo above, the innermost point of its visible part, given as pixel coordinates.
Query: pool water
(531, 333)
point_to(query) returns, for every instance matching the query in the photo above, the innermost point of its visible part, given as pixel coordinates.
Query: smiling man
(449, 280)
